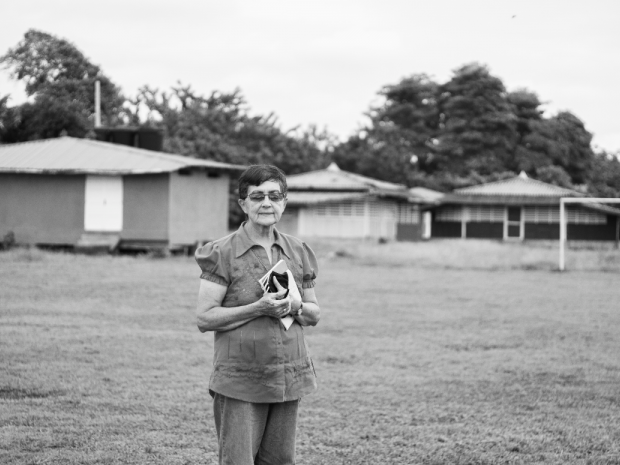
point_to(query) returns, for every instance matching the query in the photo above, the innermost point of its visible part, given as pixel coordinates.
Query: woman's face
(263, 212)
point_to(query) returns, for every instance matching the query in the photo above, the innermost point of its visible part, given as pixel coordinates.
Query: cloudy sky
(323, 62)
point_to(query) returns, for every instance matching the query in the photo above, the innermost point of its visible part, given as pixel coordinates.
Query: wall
(576, 232)
(198, 207)
(42, 209)
(593, 232)
(347, 219)
(484, 230)
(408, 232)
(541, 231)
(370, 218)
(445, 229)
(145, 207)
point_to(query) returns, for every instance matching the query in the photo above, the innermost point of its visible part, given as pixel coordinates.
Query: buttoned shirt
(259, 361)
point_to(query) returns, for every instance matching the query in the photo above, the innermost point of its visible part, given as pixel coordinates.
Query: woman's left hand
(294, 297)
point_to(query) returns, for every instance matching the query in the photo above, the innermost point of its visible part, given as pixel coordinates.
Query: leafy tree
(60, 81)
(436, 135)
(466, 131)
(4, 110)
(571, 149)
(219, 127)
(531, 146)
(604, 176)
(402, 129)
(555, 175)
(478, 127)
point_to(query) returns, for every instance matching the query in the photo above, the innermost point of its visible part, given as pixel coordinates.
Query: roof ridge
(554, 186)
(98, 155)
(371, 180)
(518, 178)
(366, 180)
(36, 141)
(104, 144)
(136, 150)
(309, 172)
(111, 145)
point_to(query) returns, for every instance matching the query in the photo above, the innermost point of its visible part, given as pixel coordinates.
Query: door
(426, 225)
(103, 205)
(513, 228)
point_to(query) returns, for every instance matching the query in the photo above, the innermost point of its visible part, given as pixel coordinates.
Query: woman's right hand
(274, 304)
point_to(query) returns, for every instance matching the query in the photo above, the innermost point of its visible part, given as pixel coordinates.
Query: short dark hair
(255, 175)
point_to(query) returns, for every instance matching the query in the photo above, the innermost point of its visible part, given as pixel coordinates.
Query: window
(486, 214)
(551, 214)
(449, 214)
(408, 214)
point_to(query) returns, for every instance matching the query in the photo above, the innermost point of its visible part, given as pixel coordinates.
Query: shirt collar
(244, 243)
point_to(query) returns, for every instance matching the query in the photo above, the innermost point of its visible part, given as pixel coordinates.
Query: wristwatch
(301, 307)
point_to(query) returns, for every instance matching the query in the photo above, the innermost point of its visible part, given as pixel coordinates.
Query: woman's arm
(311, 313)
(211, 316)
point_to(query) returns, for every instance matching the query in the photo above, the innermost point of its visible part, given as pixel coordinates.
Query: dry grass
(476, 254)
(417, 363)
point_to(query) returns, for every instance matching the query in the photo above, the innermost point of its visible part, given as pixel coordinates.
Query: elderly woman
(260, 369)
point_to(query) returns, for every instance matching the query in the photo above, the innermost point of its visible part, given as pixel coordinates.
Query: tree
(531, 146)
(401, 130)
(466, 131)
(604, 176)
(478, 127)
(61, 82)
(219, 127)
(555, 175)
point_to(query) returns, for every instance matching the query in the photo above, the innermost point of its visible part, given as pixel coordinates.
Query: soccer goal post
(563, 220)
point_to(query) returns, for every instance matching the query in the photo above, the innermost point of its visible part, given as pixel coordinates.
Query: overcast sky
(323, 62)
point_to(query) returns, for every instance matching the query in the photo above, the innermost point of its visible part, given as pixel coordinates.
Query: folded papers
(281, 272)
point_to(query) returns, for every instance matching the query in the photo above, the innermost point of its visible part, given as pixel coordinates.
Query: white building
(336, 203)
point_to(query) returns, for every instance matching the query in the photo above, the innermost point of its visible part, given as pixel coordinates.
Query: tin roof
(519, 186)
(313, 198)
(460, 199)
(520, 190)
(85, 156)
(334, 179)
(424, 193)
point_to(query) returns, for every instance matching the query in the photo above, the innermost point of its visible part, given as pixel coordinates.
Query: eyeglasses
(274, 196)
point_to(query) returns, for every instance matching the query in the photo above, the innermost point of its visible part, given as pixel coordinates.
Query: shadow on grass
(15, 393)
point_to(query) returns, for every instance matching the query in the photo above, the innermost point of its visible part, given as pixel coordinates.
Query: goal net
(563, 219)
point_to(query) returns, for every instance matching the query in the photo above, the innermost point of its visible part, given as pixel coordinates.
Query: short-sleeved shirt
(259, 361)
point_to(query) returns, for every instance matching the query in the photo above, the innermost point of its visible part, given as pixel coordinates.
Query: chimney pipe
(97, 104)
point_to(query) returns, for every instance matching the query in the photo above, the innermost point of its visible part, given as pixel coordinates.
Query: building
(79, 192)
(335, 203)
(520, 208)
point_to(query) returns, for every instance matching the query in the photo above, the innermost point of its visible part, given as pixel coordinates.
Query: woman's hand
(274, 304)
(293, 294)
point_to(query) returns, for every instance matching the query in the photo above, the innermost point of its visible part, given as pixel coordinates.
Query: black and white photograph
(319, 233)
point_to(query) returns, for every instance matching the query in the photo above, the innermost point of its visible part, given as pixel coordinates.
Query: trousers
(251, 433)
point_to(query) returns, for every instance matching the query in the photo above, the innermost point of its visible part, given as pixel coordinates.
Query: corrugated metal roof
(426, 194)
(461, 199)
(334, 179)
(600, 208)
(313, 198)
(520, 186)
(450, 199)
(71, 155)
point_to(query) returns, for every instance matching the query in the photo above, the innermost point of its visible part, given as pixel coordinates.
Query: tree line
(440, 135)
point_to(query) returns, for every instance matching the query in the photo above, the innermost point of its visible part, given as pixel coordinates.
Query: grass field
(426, 353)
